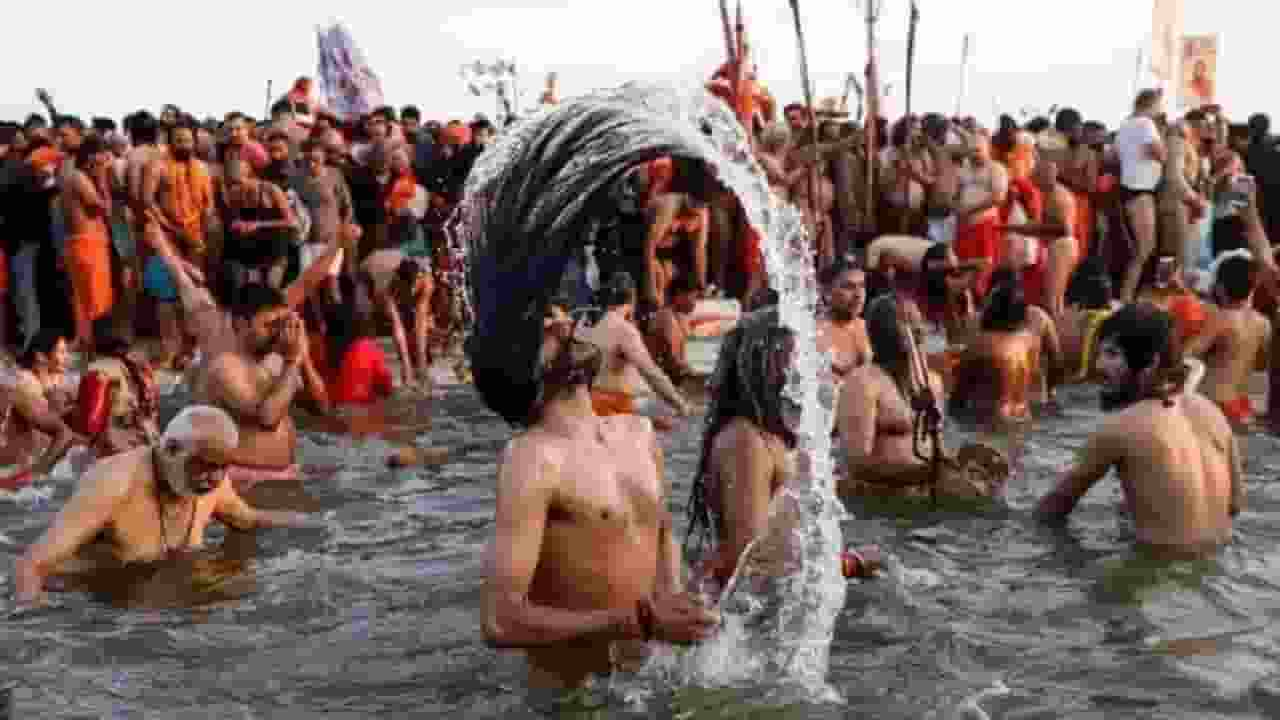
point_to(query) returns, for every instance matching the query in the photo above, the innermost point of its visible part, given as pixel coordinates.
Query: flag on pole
(966, 54)
(483, 78)
(348, 86)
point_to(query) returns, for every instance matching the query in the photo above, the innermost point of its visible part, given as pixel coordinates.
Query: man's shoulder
(115, 476)
(626, 427)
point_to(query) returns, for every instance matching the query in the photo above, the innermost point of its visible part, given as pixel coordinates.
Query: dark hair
(1195, 117)
(935, 126)
(1259, 125)
(42, 343)
(1067, 121)
(901, 131)
(884, 331)
(1006, 309)
(70, 121)
(1236, 276)
(1144, 333)
(254, 298)
(144, 128)
(934, 281)
(281, 107)
(1147, 99)
(763, 298)
(481, 124)
(8, 133)
(342, 322)
(109, 338)
(618, 290)
(278, 134)
(387, 112)
(749, 380)
(104, 124)
(184, 122)
(35, 120)
(91, 146)
(830, 274)
(683, 283)
(1090, 290)
(410, 111)
(1038, 124)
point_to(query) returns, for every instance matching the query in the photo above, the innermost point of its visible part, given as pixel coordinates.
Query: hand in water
(682, 620)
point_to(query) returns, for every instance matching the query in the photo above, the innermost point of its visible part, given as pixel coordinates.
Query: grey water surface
(378, 615)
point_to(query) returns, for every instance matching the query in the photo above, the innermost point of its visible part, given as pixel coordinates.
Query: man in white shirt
(1142, 155)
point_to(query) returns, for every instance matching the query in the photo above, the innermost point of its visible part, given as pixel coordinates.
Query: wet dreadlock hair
(749, 382)
(889, 345)
(1006, 309)
(933, 279)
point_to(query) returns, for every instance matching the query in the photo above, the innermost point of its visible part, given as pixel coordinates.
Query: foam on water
(777, 625)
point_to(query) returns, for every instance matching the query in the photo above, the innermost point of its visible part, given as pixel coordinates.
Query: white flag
(348, 86)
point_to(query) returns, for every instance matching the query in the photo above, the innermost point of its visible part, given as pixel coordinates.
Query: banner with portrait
(1199, 85)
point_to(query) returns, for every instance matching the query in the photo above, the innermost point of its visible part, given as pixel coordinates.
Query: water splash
(534, 198)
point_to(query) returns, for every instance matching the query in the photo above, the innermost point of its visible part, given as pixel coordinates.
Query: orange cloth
(979, 241)
(456, 134)
(88, 259)
(608, 402)
(401, 192)
(752, 253)
(44, 158)
(1083, 223)
(1239, 411)
(189, 200)
(1188, 314)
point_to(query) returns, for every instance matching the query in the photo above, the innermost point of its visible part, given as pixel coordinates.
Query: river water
(377, 615)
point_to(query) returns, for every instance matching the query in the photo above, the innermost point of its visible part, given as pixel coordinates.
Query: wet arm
(1092, 464)
(526, 486)
(634, 350)
(235, 513)
(80, 520)
(311, 278)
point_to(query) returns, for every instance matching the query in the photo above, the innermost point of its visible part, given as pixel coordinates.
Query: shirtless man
(843, 332)
(984, 188)
(255, 388)
(1233, 341)
(627, 365)
(942, 196)
(147, 504)
(399, 288)
(177, 197)
(86, 199)
(997, 373)
(1177, 459)
(670, 329)
(583, 566)
(1057, 230)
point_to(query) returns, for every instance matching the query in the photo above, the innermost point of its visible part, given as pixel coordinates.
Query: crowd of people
(966, 273)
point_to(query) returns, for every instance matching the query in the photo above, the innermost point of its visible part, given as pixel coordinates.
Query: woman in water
(33, 425)
(748, 447)
(348, 359)
(878, 425)
(117, 406)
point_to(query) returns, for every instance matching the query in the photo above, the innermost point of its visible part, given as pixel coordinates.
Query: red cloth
(977, 242)
(1239, 411)
(363, 378)
(93, 405)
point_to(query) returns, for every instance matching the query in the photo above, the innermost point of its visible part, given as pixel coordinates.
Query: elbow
(498, 632)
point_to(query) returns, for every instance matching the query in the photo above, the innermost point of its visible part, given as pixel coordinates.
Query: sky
(1080, 53)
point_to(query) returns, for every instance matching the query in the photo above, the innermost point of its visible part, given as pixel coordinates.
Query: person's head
(313, 156)
(1259, 126)
(902, 131)
(259, 314)
(797, 117)
(1239, 137)
(935, 128)
(846, 286)
(482, 132)
(46, 352)
(278, 146)
(453, 137)
(109, 338)
(237, 174)
(774, 138)
(192, 455)
(1139, 356)
(943, 277)
(399, 161)
(618, 292)
(1022, 157)
(1150, 102)
(1200, 71)
(1038, 125)
(182, 141)
(169, 114)
(982, 146)
(1094, 134)
(103, 125)
(323, 123)
(1069, 122)
(1045, 175)
(890, 339)
(92, 153)
(412, 278)
(683, 293)
(1006, 307)
(145, 129)
(1091, 291)
(1235, 279)
(205, 146)
(565, 362)
(238, 129)
(750, 377)
(45, 163)
(1196, 124)
(70, 133)
(281, 110)
(375, 127)
(411, 119)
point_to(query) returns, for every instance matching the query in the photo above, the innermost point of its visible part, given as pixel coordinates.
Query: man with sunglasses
(147, 505)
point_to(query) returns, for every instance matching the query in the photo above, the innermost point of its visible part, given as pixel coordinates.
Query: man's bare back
(997, 375)
(1231, 344)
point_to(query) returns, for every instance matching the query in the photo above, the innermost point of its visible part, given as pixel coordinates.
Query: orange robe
(88, 259)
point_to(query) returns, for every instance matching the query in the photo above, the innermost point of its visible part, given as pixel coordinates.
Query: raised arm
(527, 483)
(238, 393)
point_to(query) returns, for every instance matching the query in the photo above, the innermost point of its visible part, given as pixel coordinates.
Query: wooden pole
(730, 48)
(266, 113)
(911, 49)
(813, 120)
(873, 113)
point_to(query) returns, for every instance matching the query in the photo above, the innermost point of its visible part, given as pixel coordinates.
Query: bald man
(147, 504)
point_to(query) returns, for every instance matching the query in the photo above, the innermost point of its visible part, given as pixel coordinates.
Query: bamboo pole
(813, 120)
(911, 49)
